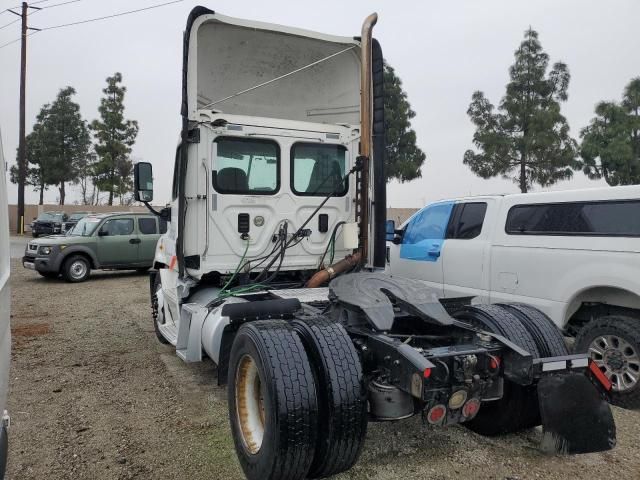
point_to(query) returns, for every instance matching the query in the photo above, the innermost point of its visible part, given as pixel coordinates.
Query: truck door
(117, 242)
(420, 253)
(465, 252)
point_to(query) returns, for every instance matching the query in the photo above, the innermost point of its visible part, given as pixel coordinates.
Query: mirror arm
(164, 214)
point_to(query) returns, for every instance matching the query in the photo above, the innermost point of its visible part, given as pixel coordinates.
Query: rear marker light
(426, 373)
(436, 414)
(471, 408)
(494, 363)
(602, 378)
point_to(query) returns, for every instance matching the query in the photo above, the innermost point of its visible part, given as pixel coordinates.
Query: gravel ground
(95, 396)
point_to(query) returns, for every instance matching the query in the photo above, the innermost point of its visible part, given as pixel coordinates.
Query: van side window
(147, 226)
(605, 218)
(467, 222)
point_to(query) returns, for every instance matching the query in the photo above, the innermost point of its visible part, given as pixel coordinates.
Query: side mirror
(390, 230)
(143, 181)
(103, 233)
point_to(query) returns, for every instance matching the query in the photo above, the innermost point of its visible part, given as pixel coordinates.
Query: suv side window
(163, 225)
(147, 226)
(118, 226)
(467, 221)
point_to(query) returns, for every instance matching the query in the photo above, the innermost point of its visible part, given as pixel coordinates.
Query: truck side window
(176, 175)
(426, 231)
(147, 226)
(605, 218)
(468, 223)
(246, 166)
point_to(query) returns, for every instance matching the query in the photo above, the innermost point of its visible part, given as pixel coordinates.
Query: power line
(120, 14)
(39, 10)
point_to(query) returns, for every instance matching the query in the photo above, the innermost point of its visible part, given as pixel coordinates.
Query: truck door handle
(434, 253)
(134, 240)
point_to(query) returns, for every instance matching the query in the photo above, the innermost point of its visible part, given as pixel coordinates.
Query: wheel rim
(78, 269)
(618, 359)
(250, 404)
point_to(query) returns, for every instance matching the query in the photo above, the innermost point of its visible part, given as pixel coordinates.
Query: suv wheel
(76, 269)
(613, 341)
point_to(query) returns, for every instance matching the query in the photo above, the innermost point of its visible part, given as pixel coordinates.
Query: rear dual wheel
(296, 403)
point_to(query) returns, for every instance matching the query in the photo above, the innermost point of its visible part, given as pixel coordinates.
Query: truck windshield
(85, 227)
(318, 169)
(247, 166)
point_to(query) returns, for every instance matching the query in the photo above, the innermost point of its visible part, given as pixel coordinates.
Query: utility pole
(22, 152)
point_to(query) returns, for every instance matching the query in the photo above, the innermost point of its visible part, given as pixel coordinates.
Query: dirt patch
(30, 330)
(97, 397)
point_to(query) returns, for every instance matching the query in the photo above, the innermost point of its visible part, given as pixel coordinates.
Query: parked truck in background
(574, 255)
(5, 310)
(273, 266)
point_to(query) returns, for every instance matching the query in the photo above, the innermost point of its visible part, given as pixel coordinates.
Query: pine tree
(114, 139)
(59, 139)
(67, 139)
(610, 146)
(403, 157)
(527, 139)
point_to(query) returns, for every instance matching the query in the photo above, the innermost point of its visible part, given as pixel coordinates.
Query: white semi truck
(273, 267)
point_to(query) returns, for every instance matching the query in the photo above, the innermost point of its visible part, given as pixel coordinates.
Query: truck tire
(76, 268)
(613, 341)
(155, 310)
(272, 402)
(342, 404)
(517, 409)
(545, 333)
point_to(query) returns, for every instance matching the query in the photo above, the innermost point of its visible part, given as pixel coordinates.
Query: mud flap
(575, 417)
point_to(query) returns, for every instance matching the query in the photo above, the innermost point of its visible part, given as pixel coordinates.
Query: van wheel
(272, 402)
(156, 311)
(613, 341)
(513, 411)
(76, 269)
(342, 403)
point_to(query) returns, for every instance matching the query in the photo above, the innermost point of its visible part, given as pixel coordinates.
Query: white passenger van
(575, 255)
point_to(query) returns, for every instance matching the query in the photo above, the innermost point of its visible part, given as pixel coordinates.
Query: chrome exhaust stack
(366, 137)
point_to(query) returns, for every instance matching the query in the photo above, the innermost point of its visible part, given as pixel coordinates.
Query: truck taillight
(471, 408)
(436, 414)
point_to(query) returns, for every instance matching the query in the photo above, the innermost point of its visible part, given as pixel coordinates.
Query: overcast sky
(442, 51)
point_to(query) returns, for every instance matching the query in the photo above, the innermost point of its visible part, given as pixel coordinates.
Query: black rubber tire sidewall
(548, 337)
(622, 326)
(291, 413)
(154, 307)
(67, 265)
(342, 403)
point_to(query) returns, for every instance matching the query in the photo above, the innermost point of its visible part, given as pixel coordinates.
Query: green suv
(117, 241)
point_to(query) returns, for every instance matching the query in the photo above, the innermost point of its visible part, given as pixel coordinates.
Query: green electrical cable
(237, 268)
